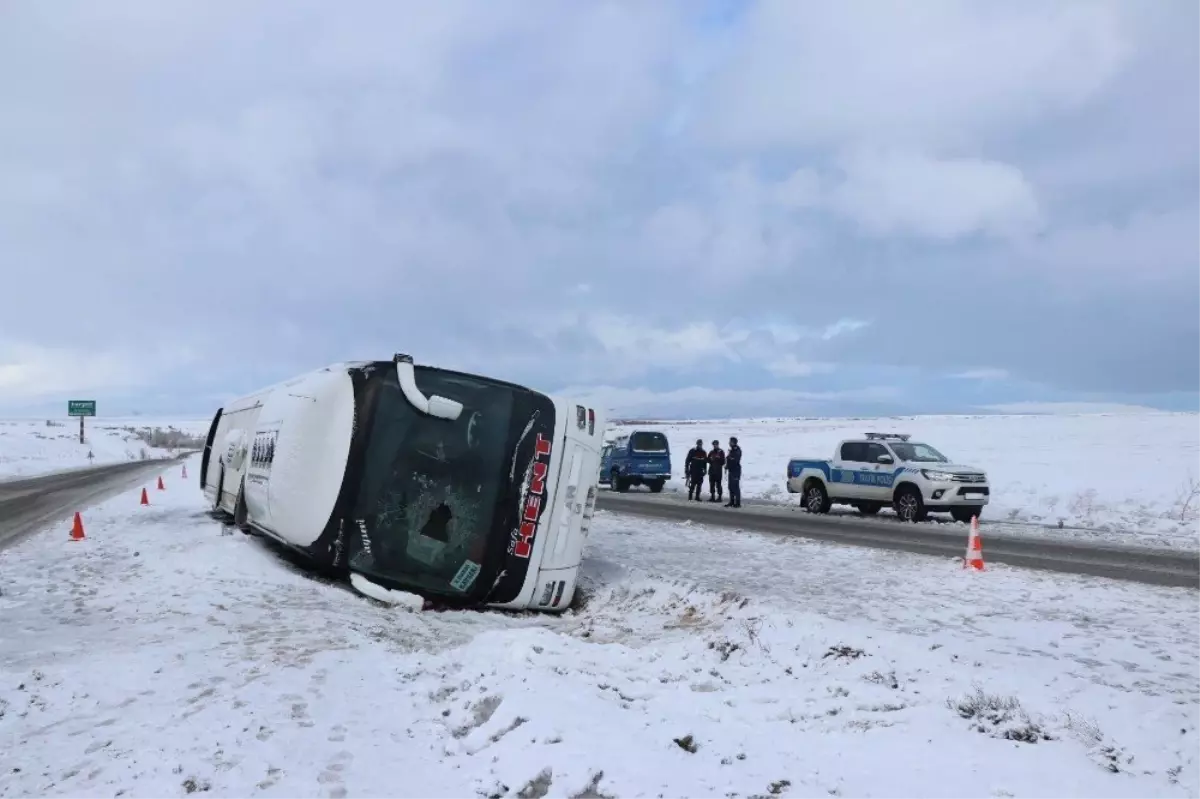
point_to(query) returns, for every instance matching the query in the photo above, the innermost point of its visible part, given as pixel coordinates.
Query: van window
(648, 442)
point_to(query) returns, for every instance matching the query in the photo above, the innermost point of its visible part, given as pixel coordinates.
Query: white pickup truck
(887, 469)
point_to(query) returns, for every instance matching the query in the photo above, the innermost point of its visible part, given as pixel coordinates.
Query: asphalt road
(1138, 564)
(30, 504)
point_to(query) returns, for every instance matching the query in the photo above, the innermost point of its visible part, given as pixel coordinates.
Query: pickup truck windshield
(648, 442)
(432, 490)
(918, 453)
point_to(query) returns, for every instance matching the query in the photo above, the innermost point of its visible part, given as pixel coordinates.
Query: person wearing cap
(733, 468)
(716, 465)
(694, 466)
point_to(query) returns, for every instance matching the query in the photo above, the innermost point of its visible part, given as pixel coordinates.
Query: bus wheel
(216, 506)
(239, 509)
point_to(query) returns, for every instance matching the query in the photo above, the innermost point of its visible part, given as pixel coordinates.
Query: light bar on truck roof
(888, 436)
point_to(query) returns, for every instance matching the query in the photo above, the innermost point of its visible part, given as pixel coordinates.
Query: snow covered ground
(1133, 477)
(32, 447)
(165, 656)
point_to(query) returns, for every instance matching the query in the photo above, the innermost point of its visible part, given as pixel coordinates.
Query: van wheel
(816, 500)
(909, 506)
(655, 486)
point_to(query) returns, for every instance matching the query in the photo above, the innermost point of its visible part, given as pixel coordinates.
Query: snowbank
(1111, 473)
(33, 447)
(166, 655)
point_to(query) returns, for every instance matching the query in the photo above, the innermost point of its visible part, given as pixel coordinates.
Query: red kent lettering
(538, 484)
(522, 542)
(524, 545)
(532, 505)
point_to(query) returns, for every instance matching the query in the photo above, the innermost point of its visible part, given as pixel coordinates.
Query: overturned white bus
(458, 488)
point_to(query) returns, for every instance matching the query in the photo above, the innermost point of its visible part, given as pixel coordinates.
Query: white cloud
(891, 193)
(642, 347)
(982, 374)
(842, 327)
(29, 372)
(791, 366)
(735, 227)
(941, 72)
(445, 179)
(624, 346)
(792, 334)
(1150, 246)
(745, 225)
(696, 401)
(1067, 408)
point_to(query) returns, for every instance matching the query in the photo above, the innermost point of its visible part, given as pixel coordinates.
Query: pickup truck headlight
(935, 476)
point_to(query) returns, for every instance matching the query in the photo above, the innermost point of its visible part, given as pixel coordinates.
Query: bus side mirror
(444, 408)
(441, 407)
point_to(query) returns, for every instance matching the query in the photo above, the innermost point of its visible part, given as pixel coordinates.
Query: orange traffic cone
(161, 487)
(974, 558)
(184, 474)
(77, 528)
(145, 497)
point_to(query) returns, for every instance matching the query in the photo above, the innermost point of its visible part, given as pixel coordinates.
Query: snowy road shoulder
(31, 448)
(165, 655)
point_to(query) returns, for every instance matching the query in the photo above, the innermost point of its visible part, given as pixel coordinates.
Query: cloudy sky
(715, 208)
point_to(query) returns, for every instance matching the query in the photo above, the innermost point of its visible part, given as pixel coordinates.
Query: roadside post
(82, 409)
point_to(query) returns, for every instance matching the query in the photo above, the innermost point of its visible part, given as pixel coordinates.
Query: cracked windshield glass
(429, 486)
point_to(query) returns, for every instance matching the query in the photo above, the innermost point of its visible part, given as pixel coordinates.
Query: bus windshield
(436, 497)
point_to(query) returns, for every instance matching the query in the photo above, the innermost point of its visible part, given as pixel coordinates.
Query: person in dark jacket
(696, 465)
(733, 467)
(716, 466)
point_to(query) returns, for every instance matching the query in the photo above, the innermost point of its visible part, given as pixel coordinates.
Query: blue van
(642, 457)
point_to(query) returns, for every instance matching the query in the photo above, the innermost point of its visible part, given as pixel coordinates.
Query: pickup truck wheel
(655, 486)
(963, 514)
(909, 506)
(816, 500)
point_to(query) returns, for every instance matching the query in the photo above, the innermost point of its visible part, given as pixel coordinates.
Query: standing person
(716, 465)
(733, 465)
(696, 465)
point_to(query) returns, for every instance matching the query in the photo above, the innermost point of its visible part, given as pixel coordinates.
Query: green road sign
(81, 407)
